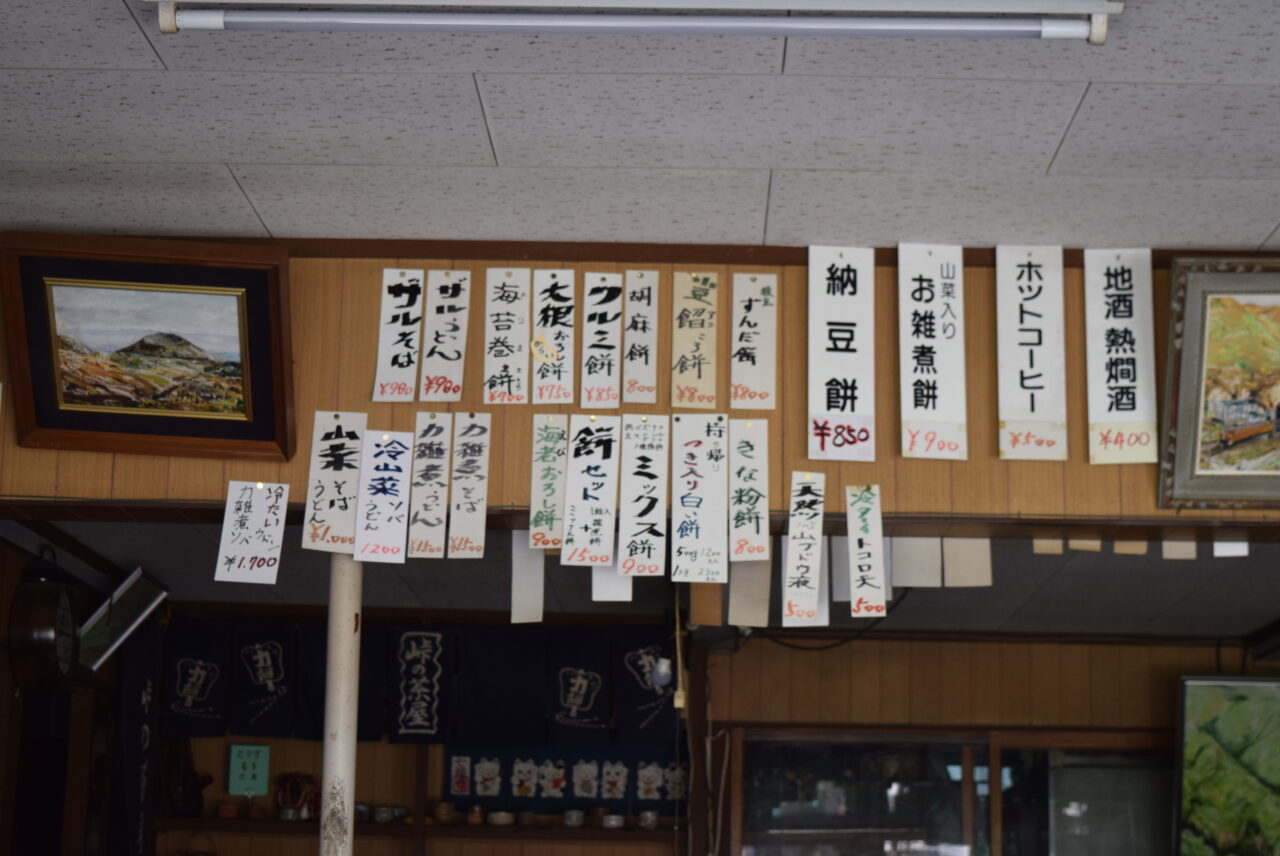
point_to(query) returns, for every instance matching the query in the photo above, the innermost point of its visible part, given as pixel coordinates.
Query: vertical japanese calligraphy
(469, 495)
(640, 338)
(399, 335)
(821, 616)
(252, 532)
(694, 308)
(642, 523)
(1121, 362)
(931, 355)
(699, 498)
(546, 482)
(842, 349)
(800, 576)
(506, 344)
(444, 359)
(591, 490)
(554, 308)
(748, 490)
(332, 481)
(1031, 353)
(382, 503)
(429, 488)
(602, 341)
(753, 344)
(867, 594)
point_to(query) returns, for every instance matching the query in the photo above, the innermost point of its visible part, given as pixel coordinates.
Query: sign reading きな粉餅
(1031, 353)
(546, 482)
(867, 595)
(642, 516)
(753, 345)
(694, 312)
(640, 338)
(591, 489)
(602, 341)
(748, 490)
(399, 335)
(429, 485)
(931, 355)
(842, 354)
(800, 576)
(469, 497)
(506, 342)
(252, 532)
(699, 498)
(332, 480)
(554, 311)
(1119, 343)
(382, 503)
(444, 357)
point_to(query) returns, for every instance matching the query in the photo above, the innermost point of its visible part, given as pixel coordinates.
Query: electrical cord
(777, 640)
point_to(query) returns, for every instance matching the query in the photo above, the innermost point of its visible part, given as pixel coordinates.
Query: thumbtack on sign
(386, 436)
(593, 417)
(644, 418)
(260, 485)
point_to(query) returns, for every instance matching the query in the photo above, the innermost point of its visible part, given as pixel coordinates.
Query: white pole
(341, 704)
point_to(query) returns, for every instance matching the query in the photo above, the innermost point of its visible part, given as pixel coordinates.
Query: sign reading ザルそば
(842, 349)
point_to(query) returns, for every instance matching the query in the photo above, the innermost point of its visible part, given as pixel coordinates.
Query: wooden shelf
(267, 826)
(553, 833)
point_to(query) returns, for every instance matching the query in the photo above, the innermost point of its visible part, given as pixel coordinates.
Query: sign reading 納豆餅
(931, 356)
(842, 349)
(1031, 351)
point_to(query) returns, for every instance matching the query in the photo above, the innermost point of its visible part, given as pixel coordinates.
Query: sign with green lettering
(248, 772)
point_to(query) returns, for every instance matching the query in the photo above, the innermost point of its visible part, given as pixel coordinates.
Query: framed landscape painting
(152, 347)
(1221, 421)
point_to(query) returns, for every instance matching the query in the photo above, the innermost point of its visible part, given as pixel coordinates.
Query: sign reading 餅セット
(591, 489)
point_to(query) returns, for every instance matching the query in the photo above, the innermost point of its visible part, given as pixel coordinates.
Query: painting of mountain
(149, 349)
(1239, 427)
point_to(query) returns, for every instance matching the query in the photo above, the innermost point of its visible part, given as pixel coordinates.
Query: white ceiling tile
(72, 34)
(681, 206)
(859, 208)
(773, 121)
(1156, 41)
(264, 118)
(153, 199)
(1175, 131)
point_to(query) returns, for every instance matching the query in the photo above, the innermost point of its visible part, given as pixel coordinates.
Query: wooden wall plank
(835, 680)
(895, 683)
(1046, 686)
(954, 684)
(983, 480)
(1089, 490)
(1015, 684)
(864, 681)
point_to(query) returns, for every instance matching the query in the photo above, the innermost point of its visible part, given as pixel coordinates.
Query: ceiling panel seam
(249, 200)
(484, 117)
(1066, 131)
(145, 35)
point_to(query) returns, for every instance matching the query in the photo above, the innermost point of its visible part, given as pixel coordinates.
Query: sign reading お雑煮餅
(506, 344)
(842, 348)
(1031, 353)
(694, 309)
(252, 532)
(931, 356)
(399, 335)
(591, 490)
(444, 358)
(382, 503)
(554, 309)
(332, 481)
(753, 343)
(602, 341)
(640, 338)
(429, 486)
(867, 595)
(699, 498)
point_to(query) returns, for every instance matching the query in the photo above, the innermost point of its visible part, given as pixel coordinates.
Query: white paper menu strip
(753, 342)
(931, 351)
(554, 311)
(694, 310)
(609, 584)
(803, 561)
(640, 338)
(252, 532)
(699, 498)
(867, 584)
(842, 349)
(591, 489)
(792, 615)
(1031, 364)
(469, 492)
(749, 594)
(1120, 344)
(332, 480)
(444, 349)
(546, 482)
(506, 343)
(528, 580)
(602, 341)
(748, 490)
(642, 500)
(399, 335)
(382, 503)
(429, 484)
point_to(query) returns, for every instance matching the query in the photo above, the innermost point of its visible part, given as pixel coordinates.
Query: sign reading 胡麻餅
(554, 311)
(640, 338)
(753, 347)
(399, 335)
(546, 483)
(444, 357)
(506, 344)
(602, 341)
(931, 351)
(694, 311)
(842, 348)
(1031, 351)
(332, 480)
(429, 488)
(591, 490)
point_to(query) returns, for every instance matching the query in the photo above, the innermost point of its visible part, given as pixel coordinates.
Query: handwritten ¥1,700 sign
(252, 532)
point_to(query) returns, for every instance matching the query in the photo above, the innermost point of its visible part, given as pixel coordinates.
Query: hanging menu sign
(506, 344)
(445, 356)
(1031, 354)
(642, 520)
(1119, 341)
(469, 499)
(591, 490)
(399, 335)
(842, 348)
(429, 489)
(332, 481)
(694, 307)
(252, 532)
(931, 355)
(753, 351)
(640, 338)
(553, 327)
(800, 576)
(748, 490)
(602, 341)
(546, 483)
(382, 502)
(867, 595)
(699, 494)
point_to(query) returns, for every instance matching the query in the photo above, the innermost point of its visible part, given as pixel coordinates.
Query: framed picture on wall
(1228, 775)
(148, 346)
(1221, 420)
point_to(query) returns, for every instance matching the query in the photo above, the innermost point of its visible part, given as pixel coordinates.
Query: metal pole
(341, 702)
